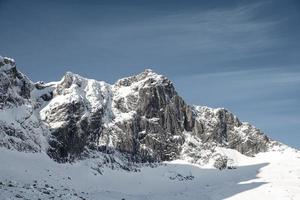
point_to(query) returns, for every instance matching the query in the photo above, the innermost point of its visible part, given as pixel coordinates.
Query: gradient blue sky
(241, 55)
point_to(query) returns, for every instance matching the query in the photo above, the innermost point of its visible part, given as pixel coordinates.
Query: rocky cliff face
(157, 117)
(224, 128)
(15, 88)
(141, 117)
(20, 126)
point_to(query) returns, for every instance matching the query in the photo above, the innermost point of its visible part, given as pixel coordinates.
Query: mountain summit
(141, 117)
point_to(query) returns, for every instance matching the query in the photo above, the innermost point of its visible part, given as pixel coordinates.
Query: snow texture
(273, 175)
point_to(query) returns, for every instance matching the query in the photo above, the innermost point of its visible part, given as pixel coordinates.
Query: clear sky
(241, 55)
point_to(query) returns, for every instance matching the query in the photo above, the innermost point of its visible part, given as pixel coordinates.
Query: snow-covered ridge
(141, 116)
(73, 89)
(144, 79)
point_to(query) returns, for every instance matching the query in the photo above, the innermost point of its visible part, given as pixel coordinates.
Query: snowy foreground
(272, 175)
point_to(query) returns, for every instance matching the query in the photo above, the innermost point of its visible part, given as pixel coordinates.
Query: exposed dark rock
(18, 196)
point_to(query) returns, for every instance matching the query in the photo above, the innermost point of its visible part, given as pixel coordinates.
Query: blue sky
(241, 55)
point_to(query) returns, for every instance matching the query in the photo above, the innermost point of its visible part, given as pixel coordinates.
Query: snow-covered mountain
(135, 124)
(141, 116)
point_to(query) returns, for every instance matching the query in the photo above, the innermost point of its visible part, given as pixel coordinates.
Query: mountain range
(137, 122)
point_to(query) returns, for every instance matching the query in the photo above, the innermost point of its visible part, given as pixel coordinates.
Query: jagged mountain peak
(73, 75)
(146, 78)
(6, 63)
(15, 87)
(9, 69)
(71, 78)
(77, 84)
(148, 86)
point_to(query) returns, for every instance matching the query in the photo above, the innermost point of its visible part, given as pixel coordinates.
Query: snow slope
(270, 175)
